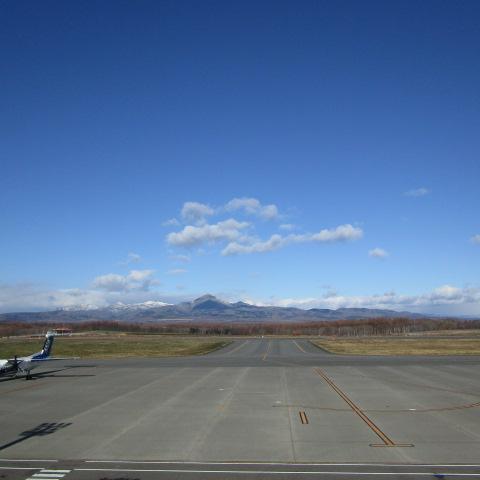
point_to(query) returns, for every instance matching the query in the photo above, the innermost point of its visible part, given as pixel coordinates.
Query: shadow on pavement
(39, 431)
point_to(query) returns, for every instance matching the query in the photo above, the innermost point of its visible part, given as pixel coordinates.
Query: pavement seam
(151, 412)
(289, 416)
(237, 348)
(200, 438)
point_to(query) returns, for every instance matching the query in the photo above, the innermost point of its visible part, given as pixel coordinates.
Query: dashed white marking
(55, 471)
(46, 474)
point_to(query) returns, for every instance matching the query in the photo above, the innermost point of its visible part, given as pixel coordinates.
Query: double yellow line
(303, 418)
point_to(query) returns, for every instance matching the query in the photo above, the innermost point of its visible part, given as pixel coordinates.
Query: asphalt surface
(259, 408)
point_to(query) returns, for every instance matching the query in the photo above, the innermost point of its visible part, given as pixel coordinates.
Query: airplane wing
(48, 359)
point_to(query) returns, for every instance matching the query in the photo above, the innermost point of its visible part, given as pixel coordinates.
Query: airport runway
(259, 408)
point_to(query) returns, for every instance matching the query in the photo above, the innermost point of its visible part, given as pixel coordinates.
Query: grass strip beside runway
(115, 346)
(400, 346)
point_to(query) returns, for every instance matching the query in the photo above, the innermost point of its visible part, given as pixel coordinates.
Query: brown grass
(114, 346)
(401, 346)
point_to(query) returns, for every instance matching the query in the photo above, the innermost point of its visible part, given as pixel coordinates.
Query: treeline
(342, 328)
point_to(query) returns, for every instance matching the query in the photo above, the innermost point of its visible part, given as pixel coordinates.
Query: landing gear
(28, 376)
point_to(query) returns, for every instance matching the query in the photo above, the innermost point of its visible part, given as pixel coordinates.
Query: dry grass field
(424, 345)
(114, 346)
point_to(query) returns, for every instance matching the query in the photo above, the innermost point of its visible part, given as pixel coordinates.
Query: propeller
(14, 366)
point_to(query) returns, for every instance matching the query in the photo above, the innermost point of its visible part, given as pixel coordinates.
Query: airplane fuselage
(26, 364)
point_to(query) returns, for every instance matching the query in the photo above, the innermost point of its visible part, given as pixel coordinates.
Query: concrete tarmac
(257, 408)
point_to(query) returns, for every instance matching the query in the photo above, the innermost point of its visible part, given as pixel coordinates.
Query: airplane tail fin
(47, 347)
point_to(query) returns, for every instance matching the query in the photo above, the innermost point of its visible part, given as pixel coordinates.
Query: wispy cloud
(339, 234)
(132, 258)
(180, 258)
(287, 226)
(476, 239)
(177, 271)
(417, 192)
(171, 222)
(378, 253)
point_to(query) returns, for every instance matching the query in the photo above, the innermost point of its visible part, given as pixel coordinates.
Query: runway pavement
(258, 408)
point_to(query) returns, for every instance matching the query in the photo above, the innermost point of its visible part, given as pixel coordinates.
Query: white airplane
(14, 366)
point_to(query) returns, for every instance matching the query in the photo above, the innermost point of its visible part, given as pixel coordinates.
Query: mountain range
(204, 308)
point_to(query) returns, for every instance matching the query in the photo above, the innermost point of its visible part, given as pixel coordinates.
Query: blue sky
(354, 123)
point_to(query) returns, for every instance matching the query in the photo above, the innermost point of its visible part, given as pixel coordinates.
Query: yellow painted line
(387, 441)
(238, 348)
(301, 349)
(268, 350)
(303, 418)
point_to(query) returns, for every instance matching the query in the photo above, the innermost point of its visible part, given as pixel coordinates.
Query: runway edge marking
(275, 472)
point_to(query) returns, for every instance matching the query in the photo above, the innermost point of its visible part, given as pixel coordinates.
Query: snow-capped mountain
(75, 308)
(205, 308)
(137, 306)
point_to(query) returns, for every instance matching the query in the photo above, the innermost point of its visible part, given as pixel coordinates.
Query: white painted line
(20, 468)
(278, 472)
(44, 470)
(35, 477)
(49, 475)
(287, 464)
(21, 460)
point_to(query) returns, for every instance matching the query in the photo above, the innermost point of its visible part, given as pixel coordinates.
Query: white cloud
(140, 275)
(177, 271)
(378, 253)
(341, 233)
(196, 212)
(476, 239)
(287, 226)
(135, 280)
(252, 206)
(132, 258)
(111, 282)
(208, 233)
(444, 300)
(273, 243)
(25, 297)
(171, 222)
(417, 192)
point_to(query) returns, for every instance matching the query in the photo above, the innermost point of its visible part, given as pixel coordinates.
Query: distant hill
(207, 308)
